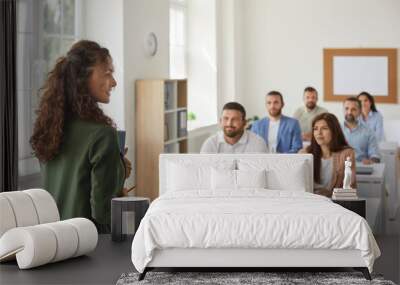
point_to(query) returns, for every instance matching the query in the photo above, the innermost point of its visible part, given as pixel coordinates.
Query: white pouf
(31, 232)
(37, 245)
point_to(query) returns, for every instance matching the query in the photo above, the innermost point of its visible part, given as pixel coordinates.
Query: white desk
(389, 151)
(371, 187)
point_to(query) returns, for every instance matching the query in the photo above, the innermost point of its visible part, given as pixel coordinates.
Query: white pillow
(293, 179)
(223, 179)
(236, 179)
(182, 177)
(187, 175)
(251, 178)
(282, 174)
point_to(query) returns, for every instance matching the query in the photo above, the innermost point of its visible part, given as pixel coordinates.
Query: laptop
(365, 169)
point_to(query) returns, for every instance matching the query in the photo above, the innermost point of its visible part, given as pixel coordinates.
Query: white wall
(281, 45)
(103, 23)
(122, 26)
(140, 18)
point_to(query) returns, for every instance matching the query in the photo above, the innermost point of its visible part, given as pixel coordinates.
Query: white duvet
(250, 219)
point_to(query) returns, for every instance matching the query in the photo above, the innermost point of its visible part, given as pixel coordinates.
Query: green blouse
(86, 173)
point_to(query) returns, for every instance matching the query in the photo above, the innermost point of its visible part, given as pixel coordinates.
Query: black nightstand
(357, 206)
(126, 214)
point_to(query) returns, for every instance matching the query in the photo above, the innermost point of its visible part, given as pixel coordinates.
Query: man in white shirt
(273, 135)
(234, 138)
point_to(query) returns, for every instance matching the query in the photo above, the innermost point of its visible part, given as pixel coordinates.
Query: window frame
(78, 27)
(28, 165)
(182, 6)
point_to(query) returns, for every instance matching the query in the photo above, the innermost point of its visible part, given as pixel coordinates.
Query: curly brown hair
(66, 95)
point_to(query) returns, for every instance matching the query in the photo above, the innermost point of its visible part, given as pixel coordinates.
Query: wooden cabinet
(161, 127)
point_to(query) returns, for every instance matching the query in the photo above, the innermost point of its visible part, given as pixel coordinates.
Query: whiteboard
(353, 74)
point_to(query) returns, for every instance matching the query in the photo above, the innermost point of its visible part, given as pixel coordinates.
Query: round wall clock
(151, 44)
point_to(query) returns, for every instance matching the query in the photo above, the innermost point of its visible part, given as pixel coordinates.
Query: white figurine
(347, 174)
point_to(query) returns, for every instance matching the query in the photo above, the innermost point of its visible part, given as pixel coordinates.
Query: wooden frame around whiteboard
(390, 53)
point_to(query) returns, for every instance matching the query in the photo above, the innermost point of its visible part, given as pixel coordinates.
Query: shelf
(174, 110)
(161, 127)
(175, 140)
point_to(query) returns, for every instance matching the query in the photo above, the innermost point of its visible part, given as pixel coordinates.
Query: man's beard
(233, 133)
(275, 113)
(311, 105)
(350, 119)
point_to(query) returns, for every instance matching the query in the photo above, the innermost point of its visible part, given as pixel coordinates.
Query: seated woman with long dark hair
(330, 150)
(370, 116)
(76, 143)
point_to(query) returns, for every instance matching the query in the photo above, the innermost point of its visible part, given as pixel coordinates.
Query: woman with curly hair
(76, 143)
(330, 150)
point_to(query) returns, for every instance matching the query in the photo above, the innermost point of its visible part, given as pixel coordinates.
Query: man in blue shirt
(281, 133)
(358, 136)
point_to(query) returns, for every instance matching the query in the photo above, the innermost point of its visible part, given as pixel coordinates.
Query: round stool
(126, 214)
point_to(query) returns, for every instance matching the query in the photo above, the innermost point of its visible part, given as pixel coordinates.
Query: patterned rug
(229, 278)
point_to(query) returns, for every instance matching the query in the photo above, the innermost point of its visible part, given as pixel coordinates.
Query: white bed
(226, 217)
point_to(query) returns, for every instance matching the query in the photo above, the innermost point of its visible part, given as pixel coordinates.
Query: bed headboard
(269, 159)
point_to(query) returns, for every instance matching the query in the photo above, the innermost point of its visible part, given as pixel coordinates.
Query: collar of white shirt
(242, 140)
(316, 109)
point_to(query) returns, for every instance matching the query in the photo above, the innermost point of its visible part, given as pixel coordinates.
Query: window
(193, 56)
(199, 30)
(177, 36)
(59, 29)
(46, 30)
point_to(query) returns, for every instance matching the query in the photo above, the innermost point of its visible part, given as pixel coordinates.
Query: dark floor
(110, 260)
(389, 262)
